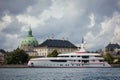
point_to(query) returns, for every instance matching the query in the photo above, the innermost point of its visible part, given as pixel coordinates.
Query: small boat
(77, 59)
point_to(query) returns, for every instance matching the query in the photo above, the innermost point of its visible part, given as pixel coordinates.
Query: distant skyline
(98, 21)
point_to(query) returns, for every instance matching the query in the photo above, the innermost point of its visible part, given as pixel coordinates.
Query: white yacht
(76, 59)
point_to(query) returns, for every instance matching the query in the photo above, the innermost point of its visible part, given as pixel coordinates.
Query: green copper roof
(30, 33)
(29, 40)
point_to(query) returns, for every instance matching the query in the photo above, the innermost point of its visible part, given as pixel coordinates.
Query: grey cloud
(74, 29)
(39, 7)
(14, 6)
(14, 28)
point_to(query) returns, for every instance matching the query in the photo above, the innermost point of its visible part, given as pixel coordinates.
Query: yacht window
(61, 64)
(66, 56)
(78, 64)
(85, 61)
(79, 60)
(72, 64)
(67, 64)
(58, 60)
(78, 56)
(32, 64)
(71, 60)
(101, 60)
(85, 56)
(98, 56)
(73, 56)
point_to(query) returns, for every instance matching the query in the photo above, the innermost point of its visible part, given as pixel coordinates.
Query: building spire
(30, 32)
(82, 49)
(82, 40)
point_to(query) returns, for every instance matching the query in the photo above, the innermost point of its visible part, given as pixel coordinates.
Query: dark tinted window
(58, 60)
(85, 56)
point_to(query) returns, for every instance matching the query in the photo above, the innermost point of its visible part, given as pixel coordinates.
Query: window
(61, 64)
(93, 60)
(78, 56)
(77, 64)
(101, 60)
(85, 61)
(98, 56)
(66, 56)
(85, 56)
(72, 64)
(58, 60)
(66, 64)
(32, 64)
(73, 56)
(79, 60)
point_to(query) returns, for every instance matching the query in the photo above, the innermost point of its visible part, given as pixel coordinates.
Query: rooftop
(57, 43)
(112, 46)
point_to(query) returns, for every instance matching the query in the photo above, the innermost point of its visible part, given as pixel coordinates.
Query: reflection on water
(59, 73)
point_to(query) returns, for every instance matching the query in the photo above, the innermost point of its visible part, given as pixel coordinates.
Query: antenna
(52, 36)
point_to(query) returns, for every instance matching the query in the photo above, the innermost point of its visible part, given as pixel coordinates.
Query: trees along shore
(16, 57)
(111, 59)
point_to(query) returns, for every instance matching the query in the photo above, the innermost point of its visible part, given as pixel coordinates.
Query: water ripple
(60, 74)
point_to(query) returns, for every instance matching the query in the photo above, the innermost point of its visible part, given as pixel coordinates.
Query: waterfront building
(49, 45)
(113, 49)
(33, 48)
(1, 57)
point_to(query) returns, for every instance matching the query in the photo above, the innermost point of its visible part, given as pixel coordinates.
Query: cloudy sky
(98, 21)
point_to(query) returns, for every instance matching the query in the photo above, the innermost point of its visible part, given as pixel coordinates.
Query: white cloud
(106, 26)
(58, 10)
(12, 41)
(110, 32)
(55, 11)
(116, 37)
(28, 20)
(110, 25)
(92, 20)
(90, 39)
(5, 21)
(29, 9)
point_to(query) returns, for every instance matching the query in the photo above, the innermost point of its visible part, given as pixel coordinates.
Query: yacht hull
(68, 64)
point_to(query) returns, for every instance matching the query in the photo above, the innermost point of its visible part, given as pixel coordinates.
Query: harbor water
(59, 73)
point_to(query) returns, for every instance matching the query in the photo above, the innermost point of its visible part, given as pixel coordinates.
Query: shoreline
(25, 66)
(115, 65)
(14, 66)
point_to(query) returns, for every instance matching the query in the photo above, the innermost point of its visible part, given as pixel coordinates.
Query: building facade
(113, 49)
(1, 58)
(48, 46)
